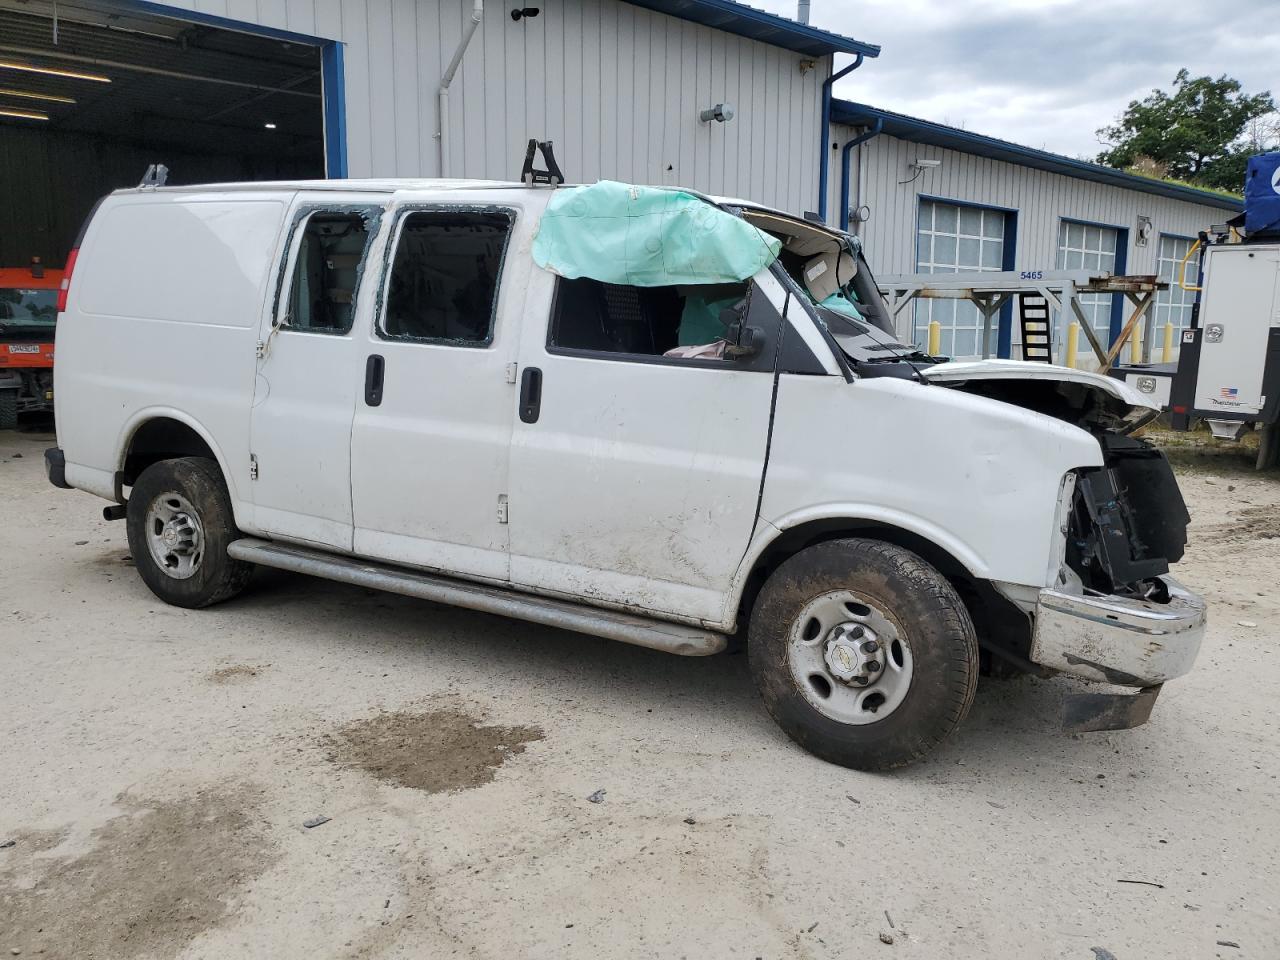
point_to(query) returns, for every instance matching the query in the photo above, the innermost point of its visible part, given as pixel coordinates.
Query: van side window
(680, 322)
(323, 291)
(444, 277)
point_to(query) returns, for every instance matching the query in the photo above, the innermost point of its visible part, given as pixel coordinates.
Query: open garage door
(92, 92)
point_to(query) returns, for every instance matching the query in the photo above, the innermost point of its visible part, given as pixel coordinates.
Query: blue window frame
(957, 236)
(1172, 307)
(1089, 245)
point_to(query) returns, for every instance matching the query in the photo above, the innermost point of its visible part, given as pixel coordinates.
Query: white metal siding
(618, 89)
(1041, 199)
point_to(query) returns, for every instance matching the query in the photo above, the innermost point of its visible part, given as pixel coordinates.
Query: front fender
(979, 478)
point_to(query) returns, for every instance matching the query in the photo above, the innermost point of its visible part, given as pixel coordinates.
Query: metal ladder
(1037, 330)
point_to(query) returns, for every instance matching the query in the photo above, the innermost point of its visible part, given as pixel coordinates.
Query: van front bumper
(1131, 643)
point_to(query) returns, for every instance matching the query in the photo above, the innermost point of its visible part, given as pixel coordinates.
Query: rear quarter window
(203, 262)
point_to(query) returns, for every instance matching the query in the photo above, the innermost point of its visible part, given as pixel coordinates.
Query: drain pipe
(845, 154)
(824, 155)
(477, 14)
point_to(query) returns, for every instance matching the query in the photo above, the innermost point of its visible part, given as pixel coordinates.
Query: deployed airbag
(842, 304)
(647, 237)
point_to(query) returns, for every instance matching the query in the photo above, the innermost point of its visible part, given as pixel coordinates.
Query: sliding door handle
(373, 370)
(530, 394)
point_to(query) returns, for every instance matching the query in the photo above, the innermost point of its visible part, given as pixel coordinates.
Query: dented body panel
(1122, 641)
(642, 484)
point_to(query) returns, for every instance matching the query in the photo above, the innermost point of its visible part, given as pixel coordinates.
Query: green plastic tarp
(647, 237)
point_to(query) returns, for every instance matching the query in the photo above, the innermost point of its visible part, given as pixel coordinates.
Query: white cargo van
(376, 382)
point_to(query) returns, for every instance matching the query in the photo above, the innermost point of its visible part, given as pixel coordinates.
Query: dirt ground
(500, 790)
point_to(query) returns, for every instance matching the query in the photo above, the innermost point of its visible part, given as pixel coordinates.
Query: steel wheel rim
(175, 536)
(838, 638)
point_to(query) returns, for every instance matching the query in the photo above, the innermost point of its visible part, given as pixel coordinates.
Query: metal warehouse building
(91, 91)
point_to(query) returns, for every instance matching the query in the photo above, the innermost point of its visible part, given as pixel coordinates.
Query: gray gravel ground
(158, 765)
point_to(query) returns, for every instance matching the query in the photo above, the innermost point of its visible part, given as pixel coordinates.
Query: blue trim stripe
(745, 21)
(935, 134)
(966, 203)
(333, 87)
(1004, 327)
(226, 23)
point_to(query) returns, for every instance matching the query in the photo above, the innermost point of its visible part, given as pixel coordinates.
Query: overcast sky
(1045, 73)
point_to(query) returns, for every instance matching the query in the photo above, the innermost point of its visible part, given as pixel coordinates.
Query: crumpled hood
(956, 371)
(1089, 400)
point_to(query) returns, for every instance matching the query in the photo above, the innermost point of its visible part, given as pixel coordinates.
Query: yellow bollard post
(1167, 355)
(1135, 344)
(935, 338)
(1073, 344)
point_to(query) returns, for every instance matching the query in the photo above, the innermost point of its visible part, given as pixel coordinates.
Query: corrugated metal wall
(1040, 198)
(616, 87)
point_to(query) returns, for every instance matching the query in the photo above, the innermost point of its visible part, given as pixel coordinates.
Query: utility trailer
(1228, 368)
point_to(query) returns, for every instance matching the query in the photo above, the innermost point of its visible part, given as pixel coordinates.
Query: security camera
(720, 113)
(926, 164)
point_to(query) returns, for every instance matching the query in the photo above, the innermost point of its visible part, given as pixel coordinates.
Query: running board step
(676, 638)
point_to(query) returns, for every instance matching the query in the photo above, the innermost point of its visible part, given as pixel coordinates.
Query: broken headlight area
(1128, 521)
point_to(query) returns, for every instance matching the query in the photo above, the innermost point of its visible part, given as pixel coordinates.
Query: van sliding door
(429, 445)
(308, 377)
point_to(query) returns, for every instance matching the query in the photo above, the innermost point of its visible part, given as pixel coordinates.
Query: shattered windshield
(832, 273)
(28, 308)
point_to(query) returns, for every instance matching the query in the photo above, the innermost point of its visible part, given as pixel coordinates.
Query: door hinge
(511, 372)
(502, 508)
(253, 466)
(260, 350)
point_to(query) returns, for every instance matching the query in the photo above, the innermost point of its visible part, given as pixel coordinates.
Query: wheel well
(161, 439)
(997, 620)
(797, 538)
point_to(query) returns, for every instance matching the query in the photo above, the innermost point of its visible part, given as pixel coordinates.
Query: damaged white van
(632, 412)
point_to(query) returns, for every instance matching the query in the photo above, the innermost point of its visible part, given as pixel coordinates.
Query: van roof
(386, 185)
(394, 184)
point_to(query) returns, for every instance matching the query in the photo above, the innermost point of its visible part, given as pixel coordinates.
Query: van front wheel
(863, 653)
(180, 523)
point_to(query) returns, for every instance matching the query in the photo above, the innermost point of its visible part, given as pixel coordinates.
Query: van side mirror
(743, 341)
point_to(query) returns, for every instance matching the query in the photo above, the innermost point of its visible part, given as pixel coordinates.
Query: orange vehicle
(28, 314)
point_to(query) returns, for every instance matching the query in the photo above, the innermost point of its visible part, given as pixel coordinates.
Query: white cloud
(1046, 73)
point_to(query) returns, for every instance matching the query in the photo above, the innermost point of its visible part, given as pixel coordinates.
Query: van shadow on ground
(1010, 719)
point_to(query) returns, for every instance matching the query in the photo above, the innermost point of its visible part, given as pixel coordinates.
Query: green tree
(1197, 131)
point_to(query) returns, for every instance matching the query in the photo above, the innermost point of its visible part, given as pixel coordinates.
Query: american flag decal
(1229, 393)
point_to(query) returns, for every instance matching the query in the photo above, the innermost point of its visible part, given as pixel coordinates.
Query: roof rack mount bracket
(550, 176)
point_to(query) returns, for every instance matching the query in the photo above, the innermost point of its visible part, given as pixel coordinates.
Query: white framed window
(951, 238)
(1083, 246)
(1172, 306)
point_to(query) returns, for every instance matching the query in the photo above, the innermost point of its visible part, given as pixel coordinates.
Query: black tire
(8, 409)
(929, 617)
(199, 482)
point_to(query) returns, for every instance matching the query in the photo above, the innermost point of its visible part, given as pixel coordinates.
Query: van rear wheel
(180, 524)
(863, 653)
